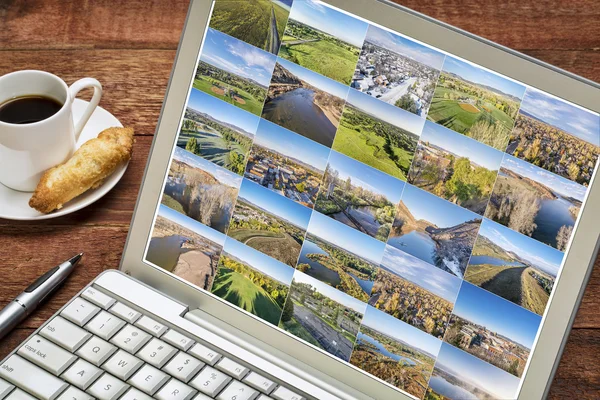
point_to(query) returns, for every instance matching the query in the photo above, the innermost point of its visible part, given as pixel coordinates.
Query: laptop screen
(384, 201)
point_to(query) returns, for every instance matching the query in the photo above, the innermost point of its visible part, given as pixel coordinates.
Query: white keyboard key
(259, 382)
(82, 374)
(175, 390)
(183, 367)
(210, 381)
(18, 394)
(107, 388)
(31, 378)
(202, 396)
(283, 393)
(5, 388)
(149, 379)
(238, 391)
(157, 353)
(46, 354)
(80, 311)
(135, 394)
(98, 298)
(205, 354)
(65, 334)
(105, 325)
(122, 365)
(264, 397)
(125, 312)
(178, 340)
(96, 351)
(130, 339)
(151, 326)
(232, 368)
(74, 394)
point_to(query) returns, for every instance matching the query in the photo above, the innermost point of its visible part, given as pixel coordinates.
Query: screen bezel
(579, 257)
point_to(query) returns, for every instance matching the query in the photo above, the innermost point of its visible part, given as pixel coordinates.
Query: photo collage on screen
(397, 207)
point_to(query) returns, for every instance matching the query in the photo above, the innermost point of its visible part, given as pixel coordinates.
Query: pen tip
(76, 259)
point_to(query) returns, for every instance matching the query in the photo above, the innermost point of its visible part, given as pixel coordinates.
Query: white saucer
(14, 205)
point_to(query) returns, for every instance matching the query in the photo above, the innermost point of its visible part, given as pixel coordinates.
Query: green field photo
(232, 93)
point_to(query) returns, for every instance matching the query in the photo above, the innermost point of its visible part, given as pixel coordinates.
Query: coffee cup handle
(74, 89)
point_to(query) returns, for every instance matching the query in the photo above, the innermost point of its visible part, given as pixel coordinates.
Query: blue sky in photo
(572, 119)
(345, 237)
(317, 80)
(366, 177)
(406, 47)
(546, 258)
(421, 273)
(332, 293)
(192, 225)
(222, 111)
(260, 262)
(342, 26)
(497, 314)
(483, 77)
(462, 146)
(288, 143)
(237, 57)
(471, 369)
(386, 112)
(275, 203)
(287, 4)
(557, 183)
(221, 174)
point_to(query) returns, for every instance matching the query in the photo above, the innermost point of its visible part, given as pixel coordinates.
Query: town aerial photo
(395, 352)
(234, 71)
(286, 163)
(216, 131)
(252, 281)
(340, 256)
(258, 22)
(492, 329)
(359, 196)
(460, 376)
(455, 167)
(434, 230)
(378, 134)
(322, 316)
(185, 247)
(535, 202)
(476, 102)
(269, 223)
(201, 190)
(305, 102)
(513, 266)
(397, 70)
(414, 291)
(323, 40)
(557, 136)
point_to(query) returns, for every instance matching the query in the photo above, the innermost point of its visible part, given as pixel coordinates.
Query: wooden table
(130, 46)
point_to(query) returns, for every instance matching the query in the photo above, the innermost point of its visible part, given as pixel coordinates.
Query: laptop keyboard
(101, 348)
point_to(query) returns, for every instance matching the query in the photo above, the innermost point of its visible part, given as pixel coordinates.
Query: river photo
(477, 260)
(446, 389)
(416, 243)
(364, 215)
(381, 349)
(165, 251)
(317, 270)
(552, 215)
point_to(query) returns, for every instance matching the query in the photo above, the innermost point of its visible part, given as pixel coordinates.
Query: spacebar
(31, 378)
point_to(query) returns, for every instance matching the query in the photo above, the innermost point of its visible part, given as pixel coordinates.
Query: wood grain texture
(130, 46)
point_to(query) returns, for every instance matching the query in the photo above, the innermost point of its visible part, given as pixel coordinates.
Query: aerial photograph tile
(378, 134)
(359, 196)
(434, 230)
(269, 223)
(185, 247)
(286, 163)
(395, 352)
(514, 266)
(323, 40)
(305, 102)
(201, 190)
(414, 291)
(535, 202)
(234, 71)
(475, 102)
(340, 256)
(218, 132)
(398, 70)
(252, 281)
(492, 329)
(557, 136)
(322, 316)
(455, 167)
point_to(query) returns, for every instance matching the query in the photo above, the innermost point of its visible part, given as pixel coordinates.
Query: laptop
(344, 200)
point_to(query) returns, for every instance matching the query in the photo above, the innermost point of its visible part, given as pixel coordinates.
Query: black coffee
(28, 109)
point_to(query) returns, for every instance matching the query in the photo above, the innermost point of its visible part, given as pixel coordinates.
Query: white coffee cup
(27, 150)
